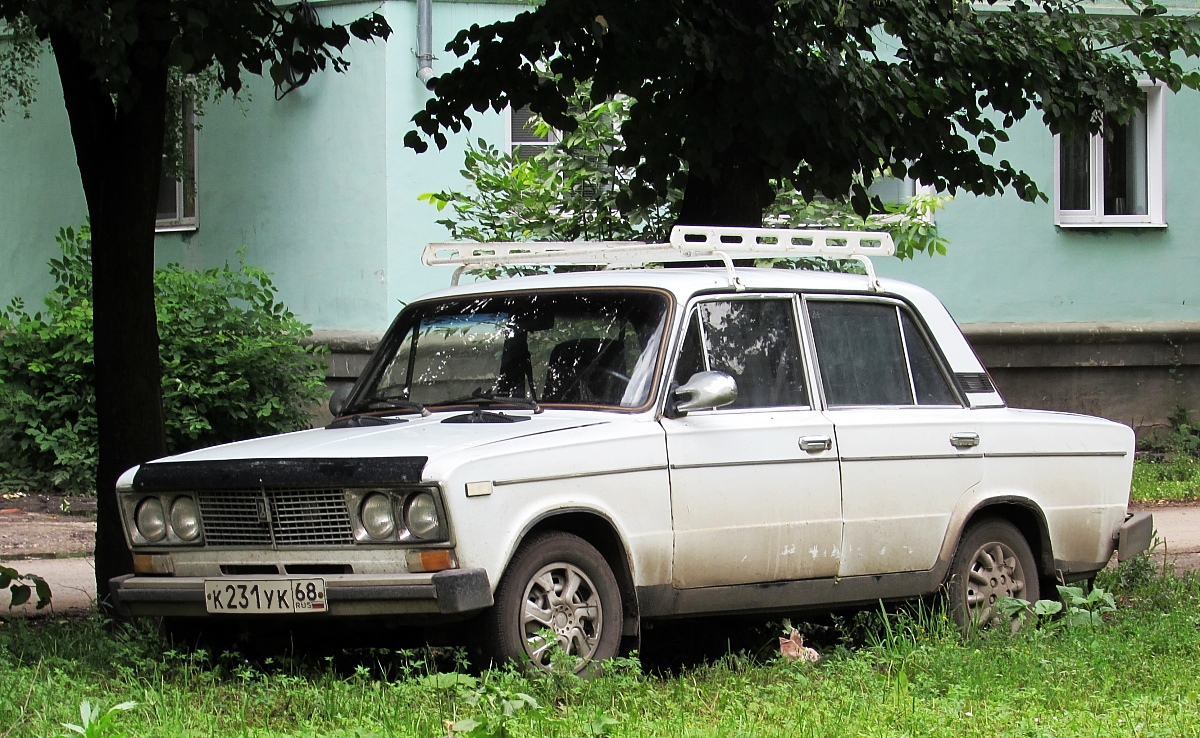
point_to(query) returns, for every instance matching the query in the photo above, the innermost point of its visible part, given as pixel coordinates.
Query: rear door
(754, 485)
(907, 446)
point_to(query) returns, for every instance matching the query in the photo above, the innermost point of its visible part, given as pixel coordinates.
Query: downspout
(425, 41)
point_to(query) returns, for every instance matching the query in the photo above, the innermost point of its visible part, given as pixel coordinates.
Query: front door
(754, 485)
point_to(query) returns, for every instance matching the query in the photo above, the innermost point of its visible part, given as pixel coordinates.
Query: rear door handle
(964, 440)
(815, 444)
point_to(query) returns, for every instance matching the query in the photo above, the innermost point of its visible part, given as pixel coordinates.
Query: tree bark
(119, 150)
(734, 194)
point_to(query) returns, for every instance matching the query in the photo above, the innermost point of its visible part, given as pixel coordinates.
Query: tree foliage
(568, 191)
(730, 95)
(116, 60)
(288, 41)
(234, 366)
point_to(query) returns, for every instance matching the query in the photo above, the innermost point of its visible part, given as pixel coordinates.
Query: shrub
(233, 363)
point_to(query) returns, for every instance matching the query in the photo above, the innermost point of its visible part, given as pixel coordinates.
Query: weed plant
(233, 358)
(902, 671)
(1176, 479)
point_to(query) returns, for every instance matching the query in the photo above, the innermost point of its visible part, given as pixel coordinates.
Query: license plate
(242, 596)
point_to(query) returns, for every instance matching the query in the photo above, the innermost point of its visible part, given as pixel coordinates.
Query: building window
(522, 140)
(1115, 177)
(891, 189)
(177, 189)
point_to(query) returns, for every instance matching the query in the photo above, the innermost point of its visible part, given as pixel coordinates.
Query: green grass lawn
(1178, 479)
(903, 674)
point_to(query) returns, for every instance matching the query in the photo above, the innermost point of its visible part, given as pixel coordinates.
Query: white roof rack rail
(687, 243)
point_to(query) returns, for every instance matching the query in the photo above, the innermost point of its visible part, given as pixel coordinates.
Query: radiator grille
(284, 518)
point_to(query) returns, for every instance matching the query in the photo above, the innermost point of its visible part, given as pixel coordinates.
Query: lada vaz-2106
(555, 459)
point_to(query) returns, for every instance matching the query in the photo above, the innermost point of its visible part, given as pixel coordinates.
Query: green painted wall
(1009, 262)
(39, 190)
(318, 188)
(320, 191)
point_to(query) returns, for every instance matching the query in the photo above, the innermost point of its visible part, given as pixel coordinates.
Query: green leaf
(1045, 608)
(20, 594)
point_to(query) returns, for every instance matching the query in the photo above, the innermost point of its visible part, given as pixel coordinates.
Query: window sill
(188, 228)
(1103, 224)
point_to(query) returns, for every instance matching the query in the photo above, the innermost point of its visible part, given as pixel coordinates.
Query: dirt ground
(35, 525)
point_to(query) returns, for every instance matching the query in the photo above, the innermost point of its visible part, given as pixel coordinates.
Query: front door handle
(815, 444)
(964, 440)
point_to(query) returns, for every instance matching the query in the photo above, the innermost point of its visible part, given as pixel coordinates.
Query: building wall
(1102, 321)
(1008, 262)
(40, 189)
(317, 188)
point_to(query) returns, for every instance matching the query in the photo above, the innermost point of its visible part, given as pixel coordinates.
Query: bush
(233, 367)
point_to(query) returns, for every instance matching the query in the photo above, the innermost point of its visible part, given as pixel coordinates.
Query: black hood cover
(278, 473)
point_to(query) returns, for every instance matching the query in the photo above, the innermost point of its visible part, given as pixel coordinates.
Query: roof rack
(687, 243)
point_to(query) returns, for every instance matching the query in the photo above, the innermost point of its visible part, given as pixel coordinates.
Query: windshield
(578, 348)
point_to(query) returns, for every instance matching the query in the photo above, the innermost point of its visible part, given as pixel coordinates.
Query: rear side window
(872, 353)
(753, 340)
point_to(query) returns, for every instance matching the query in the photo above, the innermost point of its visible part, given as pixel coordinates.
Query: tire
(993, 560)
(529, 602)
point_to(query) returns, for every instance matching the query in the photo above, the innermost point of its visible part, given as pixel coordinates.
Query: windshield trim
(397, 330)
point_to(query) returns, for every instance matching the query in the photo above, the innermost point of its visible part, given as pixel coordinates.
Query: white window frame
(912, 186)
(1156, 200)
(184, 222)
(552, 138)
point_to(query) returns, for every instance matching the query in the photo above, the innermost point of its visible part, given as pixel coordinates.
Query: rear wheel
(993, 561)
(558, 595)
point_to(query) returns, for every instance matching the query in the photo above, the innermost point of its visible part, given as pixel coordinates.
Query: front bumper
(452, 592)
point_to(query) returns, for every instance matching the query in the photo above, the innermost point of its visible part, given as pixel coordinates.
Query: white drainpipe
(425, 41)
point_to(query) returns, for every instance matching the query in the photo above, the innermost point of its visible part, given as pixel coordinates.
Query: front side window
(1115, 177)
(754, 341)
(872, 353)
(589, 348)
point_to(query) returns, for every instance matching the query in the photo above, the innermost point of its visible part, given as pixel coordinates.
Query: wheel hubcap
(561, 606)
(995, 573)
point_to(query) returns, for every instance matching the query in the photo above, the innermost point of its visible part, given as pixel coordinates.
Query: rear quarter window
(873, 353)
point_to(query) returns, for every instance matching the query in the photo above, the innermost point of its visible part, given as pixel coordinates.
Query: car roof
(684, 282)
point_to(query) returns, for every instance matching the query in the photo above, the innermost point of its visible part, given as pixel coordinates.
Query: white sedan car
(557, 459)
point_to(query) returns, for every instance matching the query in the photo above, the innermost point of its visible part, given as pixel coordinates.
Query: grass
(1175, 480)
(904, 673)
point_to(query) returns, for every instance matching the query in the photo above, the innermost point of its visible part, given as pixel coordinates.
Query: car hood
(364, 455)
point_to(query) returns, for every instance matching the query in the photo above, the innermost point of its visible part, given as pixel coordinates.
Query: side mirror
(704, 391)
(341, 395)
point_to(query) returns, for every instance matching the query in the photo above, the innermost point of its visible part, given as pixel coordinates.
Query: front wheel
(558, 595)
(993, 561)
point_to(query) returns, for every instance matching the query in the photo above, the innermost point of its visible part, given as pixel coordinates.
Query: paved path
(1178, 529)
(72, 583)
(73, 580)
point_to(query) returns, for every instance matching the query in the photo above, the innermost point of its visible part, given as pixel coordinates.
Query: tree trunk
(119, 151)
(733, 187)
(735, 194)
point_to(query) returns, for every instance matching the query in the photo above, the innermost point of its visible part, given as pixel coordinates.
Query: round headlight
(185, 518)
(420, 515)
(150, 521)
(376, 516)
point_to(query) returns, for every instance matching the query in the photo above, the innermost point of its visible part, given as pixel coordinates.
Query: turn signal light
(435, 560)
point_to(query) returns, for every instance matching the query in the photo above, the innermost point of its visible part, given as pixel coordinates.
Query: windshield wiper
(397, 403)
(363, 421)
(487, 399)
